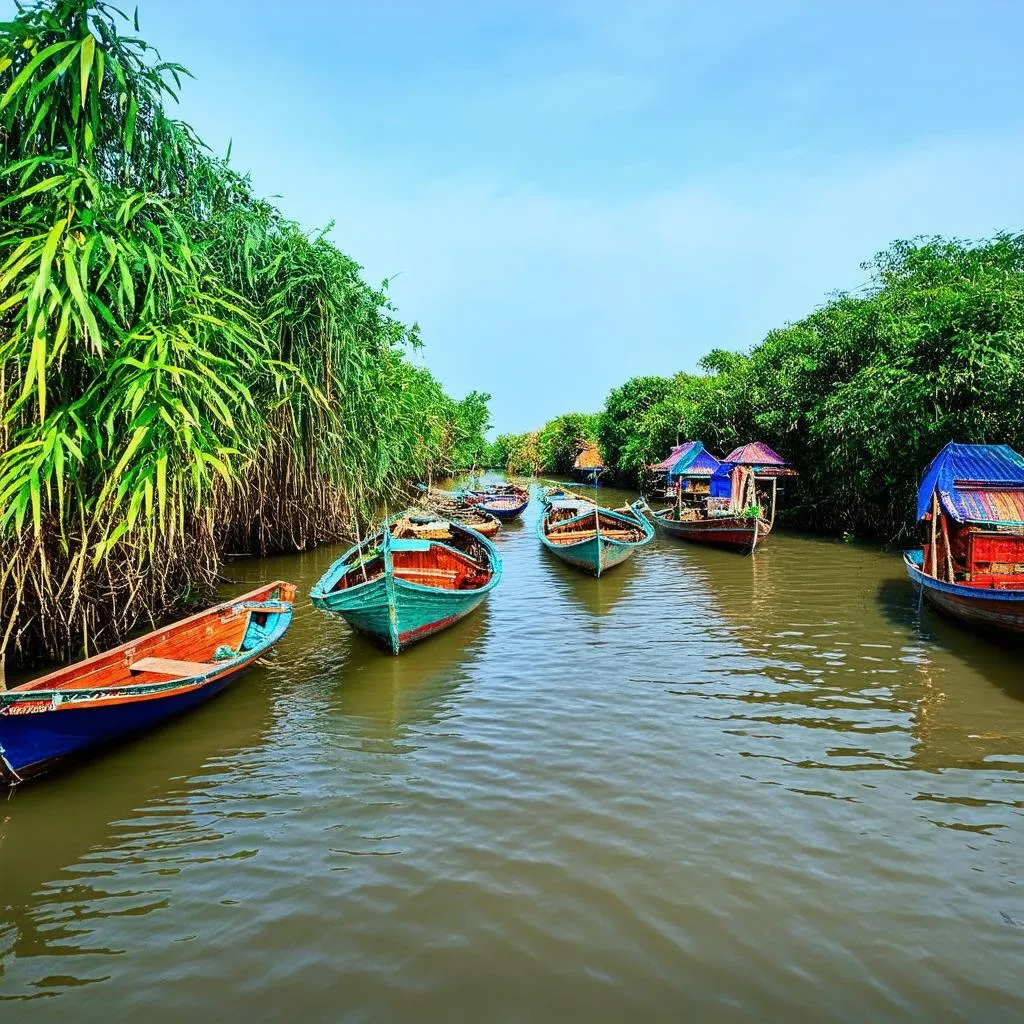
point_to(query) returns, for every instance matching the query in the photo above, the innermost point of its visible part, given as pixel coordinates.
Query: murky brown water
(704, 787)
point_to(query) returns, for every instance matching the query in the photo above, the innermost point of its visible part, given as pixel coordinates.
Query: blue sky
(572, 193)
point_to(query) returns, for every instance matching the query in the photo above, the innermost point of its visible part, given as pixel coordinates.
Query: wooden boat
(732, 532)
(589, 537)
(730, 517)
(137, 685)
(457, 510)
(992, 607)
(417, 576)
(971, 566)
(506, 501)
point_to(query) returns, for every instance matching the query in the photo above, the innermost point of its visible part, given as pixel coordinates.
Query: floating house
(687, 469)
(589, 466)
(762, 460)
(971, 506)
(769, 470)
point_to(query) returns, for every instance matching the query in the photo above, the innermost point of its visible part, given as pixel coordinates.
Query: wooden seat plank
(170, 667)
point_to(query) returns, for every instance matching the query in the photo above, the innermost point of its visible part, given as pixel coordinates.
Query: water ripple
(702, 786)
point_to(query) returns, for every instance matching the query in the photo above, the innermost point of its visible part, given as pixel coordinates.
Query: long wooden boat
(993, 607)
(506, 501)
(457, 510)
(734, 533)
(970, 506)
(418, 575)
(137, 685)
(589, 537)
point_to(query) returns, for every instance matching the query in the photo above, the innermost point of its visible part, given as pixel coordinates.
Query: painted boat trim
(730, 532)
(987, 607)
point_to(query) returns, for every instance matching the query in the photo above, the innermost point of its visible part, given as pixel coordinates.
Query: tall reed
(183, 370)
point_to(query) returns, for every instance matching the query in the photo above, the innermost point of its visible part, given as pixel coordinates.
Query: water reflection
(596, 597)
(144, 809)
(845, 655)
(710, 787)
(385, 695)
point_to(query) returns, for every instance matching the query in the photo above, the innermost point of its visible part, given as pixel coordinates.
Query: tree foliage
(560, 440)
(861, 393)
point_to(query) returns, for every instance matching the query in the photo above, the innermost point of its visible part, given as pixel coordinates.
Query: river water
(705, 787)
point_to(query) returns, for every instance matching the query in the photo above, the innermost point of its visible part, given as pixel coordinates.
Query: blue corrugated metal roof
(969, 467)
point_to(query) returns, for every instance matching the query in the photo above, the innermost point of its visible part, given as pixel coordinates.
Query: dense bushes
(861, 393)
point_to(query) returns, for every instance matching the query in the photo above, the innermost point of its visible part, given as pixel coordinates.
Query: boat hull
(398, 615)
(80, 709)
(599, 553)
(395, 611)
(732, 534)
(503, 510)
(984, 607)
(31, 744)
(594, 557)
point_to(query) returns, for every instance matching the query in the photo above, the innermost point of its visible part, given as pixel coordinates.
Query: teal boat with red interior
(591, 538)
(418, 575)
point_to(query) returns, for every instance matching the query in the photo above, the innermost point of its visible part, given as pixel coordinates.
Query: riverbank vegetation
(860, 394)
(184, 371)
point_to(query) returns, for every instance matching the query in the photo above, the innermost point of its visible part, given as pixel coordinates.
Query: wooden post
(935, 525)
(949, 552)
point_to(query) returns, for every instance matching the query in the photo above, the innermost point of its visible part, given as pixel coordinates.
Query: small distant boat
(132, 687)
(971, 566)
(456, 509)
(589, 467)
(417, 576)
(506, 501)
(589, 537)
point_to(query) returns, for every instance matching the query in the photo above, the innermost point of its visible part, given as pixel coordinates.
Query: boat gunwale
(322, 592)
(69, 697)
(918, 575)
(32, 691)
(637, 521)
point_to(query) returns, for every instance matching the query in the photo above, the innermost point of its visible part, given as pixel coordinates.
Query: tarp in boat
(733, 482)
(688, 460)
(721, 481)
(764, 461)
(976, 483)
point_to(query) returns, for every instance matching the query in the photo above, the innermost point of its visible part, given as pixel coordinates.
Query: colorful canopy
(976, 483)
(689, 459)
(763, 460)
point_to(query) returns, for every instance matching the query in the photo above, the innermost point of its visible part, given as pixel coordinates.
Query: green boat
(589, 537)
(417, 576)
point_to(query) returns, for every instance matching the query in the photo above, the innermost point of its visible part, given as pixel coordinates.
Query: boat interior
(426, 551)
(195, 646)
(971, 555)
(571, 523)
